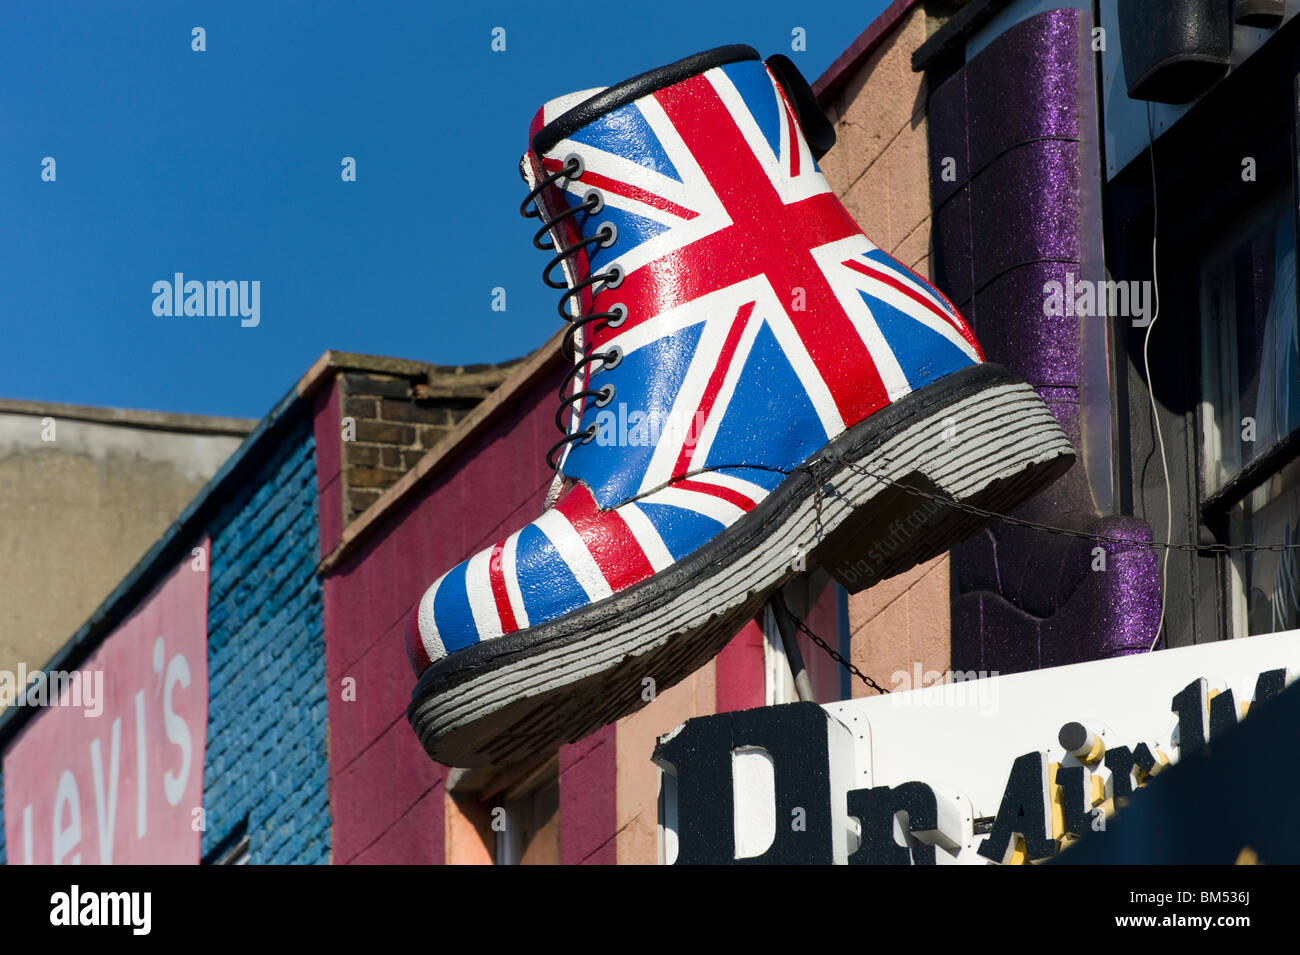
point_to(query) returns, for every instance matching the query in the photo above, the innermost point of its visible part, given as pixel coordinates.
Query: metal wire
(952, 502)
(1190, 548)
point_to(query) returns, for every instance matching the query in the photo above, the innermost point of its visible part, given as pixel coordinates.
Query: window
(1250, 410)
(778, 681)
(1264, 589)
(822, 605)
(531, 835)
(1251, 384)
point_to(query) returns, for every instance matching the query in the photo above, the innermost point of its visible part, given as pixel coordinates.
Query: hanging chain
(803, 627)
(834, 654)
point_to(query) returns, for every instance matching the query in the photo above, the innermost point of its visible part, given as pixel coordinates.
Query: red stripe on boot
(497, 577)
(727, 494)
(607, 537)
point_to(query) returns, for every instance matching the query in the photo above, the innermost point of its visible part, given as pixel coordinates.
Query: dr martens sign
(1012, 774)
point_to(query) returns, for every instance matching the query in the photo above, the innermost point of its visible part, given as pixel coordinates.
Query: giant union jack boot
(756, 389)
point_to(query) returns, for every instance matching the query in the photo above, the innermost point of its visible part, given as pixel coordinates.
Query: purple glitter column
(1019, 124)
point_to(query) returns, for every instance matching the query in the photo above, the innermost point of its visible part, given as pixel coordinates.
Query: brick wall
(267, 762)
(879, 167)
(399, 410)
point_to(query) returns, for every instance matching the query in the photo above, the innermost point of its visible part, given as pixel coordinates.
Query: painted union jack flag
(761, 323)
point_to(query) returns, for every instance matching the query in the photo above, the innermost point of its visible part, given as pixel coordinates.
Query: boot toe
(574, 555)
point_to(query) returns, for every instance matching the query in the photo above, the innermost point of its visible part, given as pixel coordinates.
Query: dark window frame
(1201, 195)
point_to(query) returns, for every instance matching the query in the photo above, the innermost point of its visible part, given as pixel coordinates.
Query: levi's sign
(123, 782)
(1013, 773)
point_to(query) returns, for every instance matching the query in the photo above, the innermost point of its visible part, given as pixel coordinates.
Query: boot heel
(991, 451)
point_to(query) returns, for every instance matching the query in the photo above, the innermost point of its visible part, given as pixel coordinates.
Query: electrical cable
(1146, 366)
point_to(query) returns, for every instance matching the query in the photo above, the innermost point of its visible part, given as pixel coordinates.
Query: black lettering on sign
(1193, 717)
(1073, 781)
(1269, 684)
(794, 735)
(876, 808)
(1223, 714)
(1023, 812)
(1144, 760)
(1120, 761)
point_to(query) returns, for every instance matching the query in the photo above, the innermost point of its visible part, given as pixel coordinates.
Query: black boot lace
(612, 277)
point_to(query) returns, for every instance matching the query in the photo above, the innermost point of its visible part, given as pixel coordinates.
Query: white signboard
(994, 770)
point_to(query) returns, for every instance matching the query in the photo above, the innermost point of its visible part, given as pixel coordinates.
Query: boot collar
(620, 94)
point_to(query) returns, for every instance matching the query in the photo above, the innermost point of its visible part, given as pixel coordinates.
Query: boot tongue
(557, 107)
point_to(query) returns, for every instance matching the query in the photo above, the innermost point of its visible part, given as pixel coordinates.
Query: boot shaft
(748, 319)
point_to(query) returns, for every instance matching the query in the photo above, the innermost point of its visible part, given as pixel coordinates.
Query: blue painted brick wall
(266, 752)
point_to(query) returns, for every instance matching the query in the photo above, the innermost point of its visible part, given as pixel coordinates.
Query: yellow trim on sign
(1056, 797)
(1019, 852)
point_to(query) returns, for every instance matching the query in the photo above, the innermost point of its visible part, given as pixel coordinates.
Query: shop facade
(240, 697)
(254, 668)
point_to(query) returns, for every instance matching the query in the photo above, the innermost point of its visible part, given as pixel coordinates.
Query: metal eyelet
(597, 205)
(589, 433)
(611, 236)
(622, 315)
(574, 159)
(611, 358)
(605, 397)
(617, 271)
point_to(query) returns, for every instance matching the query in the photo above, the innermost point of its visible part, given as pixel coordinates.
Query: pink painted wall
(589, 800)
(740, 671)
(386, 795)
(823, 619)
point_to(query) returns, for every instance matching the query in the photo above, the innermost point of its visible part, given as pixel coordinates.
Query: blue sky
(225, 165)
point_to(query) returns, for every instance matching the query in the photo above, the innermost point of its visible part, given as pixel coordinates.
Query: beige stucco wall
(77, 512)
(879, 167)
(637, 841)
